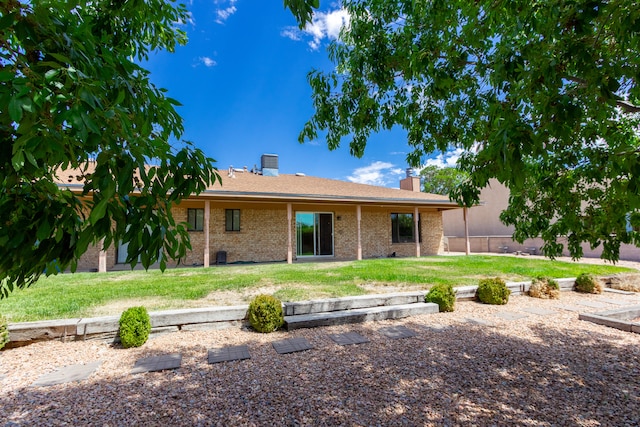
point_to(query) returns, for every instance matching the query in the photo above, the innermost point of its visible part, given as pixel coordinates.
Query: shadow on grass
(461, 375)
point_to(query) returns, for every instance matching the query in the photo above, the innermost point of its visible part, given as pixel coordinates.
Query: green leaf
(51, 74)
(18, 160)
(98, 212)
(15, 110)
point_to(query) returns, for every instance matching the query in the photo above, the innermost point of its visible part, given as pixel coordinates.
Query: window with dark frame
(232, 222)
(402, 228)
(195, 218)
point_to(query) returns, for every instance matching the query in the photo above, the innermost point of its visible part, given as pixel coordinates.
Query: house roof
(246, 186)
(300, 188)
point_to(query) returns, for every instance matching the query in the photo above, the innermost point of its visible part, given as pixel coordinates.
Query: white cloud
(323, 26)
(377, 173)
(223, 13)
(445, 160)
(206, 61)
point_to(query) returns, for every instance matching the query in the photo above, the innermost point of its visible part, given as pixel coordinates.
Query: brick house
(267, 216)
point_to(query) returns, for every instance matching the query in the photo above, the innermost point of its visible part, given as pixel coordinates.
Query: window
(402, 228)
(232, 222)
(195, 218)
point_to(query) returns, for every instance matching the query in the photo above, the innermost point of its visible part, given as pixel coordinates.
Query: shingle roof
(295, 188)
(246, 185)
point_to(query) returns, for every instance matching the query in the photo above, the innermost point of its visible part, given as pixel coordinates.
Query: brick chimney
(411, 183)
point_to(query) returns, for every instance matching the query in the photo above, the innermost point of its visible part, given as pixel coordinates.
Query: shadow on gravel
(456, 376)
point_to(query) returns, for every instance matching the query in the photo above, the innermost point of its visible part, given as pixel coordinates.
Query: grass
(78, 295)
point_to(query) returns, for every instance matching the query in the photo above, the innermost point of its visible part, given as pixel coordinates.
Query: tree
(443, 181)
(543, 96)
(73, 96)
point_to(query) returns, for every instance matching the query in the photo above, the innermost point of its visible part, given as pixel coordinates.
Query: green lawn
(81, 294)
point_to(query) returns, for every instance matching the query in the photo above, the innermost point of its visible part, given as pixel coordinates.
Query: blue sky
(242, 82)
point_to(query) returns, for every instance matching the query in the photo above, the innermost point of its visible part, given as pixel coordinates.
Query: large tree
(442, 180)
(74, 96)
(541, 95)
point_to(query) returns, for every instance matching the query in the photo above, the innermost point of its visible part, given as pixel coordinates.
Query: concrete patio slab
(157, 363)
(291, 345)
(67, 374)
(539, 311)
(228, 354)
(348, 338)
(397, 332)
(510, 315)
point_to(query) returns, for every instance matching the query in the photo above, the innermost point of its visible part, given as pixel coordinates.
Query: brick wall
(263, 235)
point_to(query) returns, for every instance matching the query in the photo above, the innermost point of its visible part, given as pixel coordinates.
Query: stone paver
(67, 374)
(291, 345)
(571, 308)
(348, 338)
(157, 363)
(539, 311)
(510, 315)
(479, 322)
(616, 301)
(397, 332)
(592, 304)
(2, 377)
(228, 354)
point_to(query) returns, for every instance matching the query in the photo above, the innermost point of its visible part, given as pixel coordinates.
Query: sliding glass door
(314, 234)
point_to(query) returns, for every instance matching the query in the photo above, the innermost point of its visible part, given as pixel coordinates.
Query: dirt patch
(115, 308)
(384, 288)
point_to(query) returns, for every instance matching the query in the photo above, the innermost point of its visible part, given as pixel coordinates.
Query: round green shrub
(443, 295)
(135, 326)
(544, 287)
(265, 313)
(4, 332)
(588, 284)
(493, 291)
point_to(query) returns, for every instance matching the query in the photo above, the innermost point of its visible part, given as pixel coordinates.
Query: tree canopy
(442, 180)
(74, 97)
(541, 95)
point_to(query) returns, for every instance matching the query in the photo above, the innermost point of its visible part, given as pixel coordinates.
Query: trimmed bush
(626, 282)
(545, 288)
(135, 326)
(588, 284)
(4, 332)
(493, 291)
(443, 295)
(265, 313)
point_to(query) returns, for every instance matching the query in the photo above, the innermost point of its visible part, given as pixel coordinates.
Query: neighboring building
(266, 216)
(488, 234)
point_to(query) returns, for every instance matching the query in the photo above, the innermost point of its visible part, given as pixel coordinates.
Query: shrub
(588, 284)
(626, 282)
(443, 295)
(265, 313)
(135, 326)
(544, 287)
(493, 291)
(4, 332)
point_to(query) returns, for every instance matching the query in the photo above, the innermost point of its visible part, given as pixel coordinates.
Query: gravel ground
(536, 371)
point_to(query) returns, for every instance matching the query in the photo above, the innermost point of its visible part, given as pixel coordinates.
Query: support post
(102, 258)
(207, 219)
(358, 221)
(289, 244)
(416, 230)
(467, 245)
